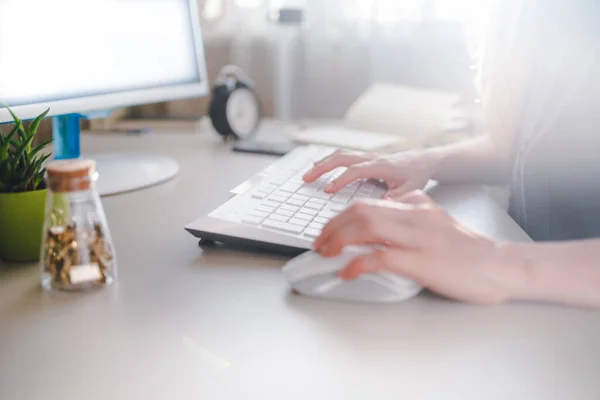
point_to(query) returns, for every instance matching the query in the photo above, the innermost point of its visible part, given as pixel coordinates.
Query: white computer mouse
(311, 274)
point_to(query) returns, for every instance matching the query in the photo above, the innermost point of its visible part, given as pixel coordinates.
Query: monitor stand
(118, 172)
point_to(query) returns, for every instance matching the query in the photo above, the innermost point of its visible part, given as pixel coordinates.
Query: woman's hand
(402, 172)
(424, 244)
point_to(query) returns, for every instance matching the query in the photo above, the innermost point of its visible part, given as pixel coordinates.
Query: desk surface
(187, 323)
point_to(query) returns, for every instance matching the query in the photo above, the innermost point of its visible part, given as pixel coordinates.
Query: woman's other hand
(423, 243)
(402, 172)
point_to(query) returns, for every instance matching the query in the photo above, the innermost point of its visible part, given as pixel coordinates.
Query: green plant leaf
(14, 117)
(21, 167)
(43, 158)
(4, 149)
(39, 180)
(39, 147)
(36, 122)
(36, 165)
(20, 151)
(18, 125)
(5, 143)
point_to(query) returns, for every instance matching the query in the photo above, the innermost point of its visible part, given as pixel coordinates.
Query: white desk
(183, 323)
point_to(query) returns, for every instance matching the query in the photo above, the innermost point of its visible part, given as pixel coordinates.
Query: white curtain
(322, 65)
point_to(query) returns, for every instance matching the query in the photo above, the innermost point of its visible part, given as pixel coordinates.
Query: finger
(330, 163)
(363, 209)
(367, 264)
(353, 212)
(416, 197)
(406, 263)
(369, 224)
(365, 170)
(398, 192)
(387, 233)
(409, 193)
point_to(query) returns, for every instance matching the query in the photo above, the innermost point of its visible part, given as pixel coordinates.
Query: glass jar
(77, 250)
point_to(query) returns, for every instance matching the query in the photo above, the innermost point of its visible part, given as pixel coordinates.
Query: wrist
(514, 270)
(432, 159)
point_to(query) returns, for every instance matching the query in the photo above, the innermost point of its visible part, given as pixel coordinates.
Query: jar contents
(64, 256)
(77, 249)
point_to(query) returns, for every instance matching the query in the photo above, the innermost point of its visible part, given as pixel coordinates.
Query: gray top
(554, 195)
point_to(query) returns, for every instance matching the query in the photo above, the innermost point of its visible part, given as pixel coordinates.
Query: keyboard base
(247, 245)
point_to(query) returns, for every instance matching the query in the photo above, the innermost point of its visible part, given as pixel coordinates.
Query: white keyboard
(275, 210)
(284, 204)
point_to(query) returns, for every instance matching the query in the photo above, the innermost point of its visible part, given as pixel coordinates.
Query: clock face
(243, 112)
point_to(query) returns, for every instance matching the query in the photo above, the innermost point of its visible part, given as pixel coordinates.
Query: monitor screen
(58, 50)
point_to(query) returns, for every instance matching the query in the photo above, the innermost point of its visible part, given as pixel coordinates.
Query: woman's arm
(567, 272)
(477, 160)
(423, 243)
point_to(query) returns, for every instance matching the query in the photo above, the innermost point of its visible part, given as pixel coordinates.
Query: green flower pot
(21, 225)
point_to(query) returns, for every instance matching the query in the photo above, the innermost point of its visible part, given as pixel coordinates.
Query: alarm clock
(235, 110)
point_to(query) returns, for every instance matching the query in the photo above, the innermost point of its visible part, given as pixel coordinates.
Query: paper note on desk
(388, 117)
(401, 110)
(349, 138)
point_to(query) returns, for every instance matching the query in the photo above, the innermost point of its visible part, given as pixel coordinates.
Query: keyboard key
(300, 197)
(317, 226)
(282, 194)
(259, 214)
(266, 209)
(321, 220)
(312, 213)
(322, 195)
(318, 201)
(307, 191)
(312, 233)
(290, 188)
(277, 182)
(288, 207)
(327, 214)
(282, 226)
(277, 199)
(304, 216)
(296, 203)
(285, 213)
(252, 220)
(268, 203)
(378, 193)
(368, 185)
(314, 206)
(259, 195)
(316, 185)
(340, 199)
(299, 221)
(347, 192)
(279, 218)
(338, 208)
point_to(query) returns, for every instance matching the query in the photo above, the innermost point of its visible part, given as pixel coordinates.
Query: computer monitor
(78, 57)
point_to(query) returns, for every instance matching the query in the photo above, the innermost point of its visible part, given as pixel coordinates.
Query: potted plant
(22, 192)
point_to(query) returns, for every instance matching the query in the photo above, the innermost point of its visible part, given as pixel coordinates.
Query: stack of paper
(388, 117)
(349, 138)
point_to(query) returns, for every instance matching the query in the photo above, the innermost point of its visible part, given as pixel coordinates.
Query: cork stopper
(70, 175)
